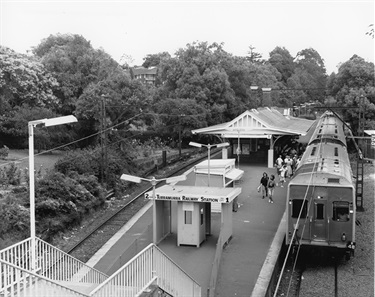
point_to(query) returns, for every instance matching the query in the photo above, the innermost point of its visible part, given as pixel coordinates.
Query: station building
(259, 135)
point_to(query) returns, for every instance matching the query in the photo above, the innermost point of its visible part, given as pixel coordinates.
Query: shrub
(61, 201)
(4, 152)
(10, 175)
(14, 217)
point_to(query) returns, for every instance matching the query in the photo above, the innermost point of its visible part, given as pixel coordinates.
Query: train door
(319, 220)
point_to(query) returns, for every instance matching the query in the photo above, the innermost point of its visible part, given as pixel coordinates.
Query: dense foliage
(200, 85)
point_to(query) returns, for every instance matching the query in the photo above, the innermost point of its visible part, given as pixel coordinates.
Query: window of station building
(297, 204)
(340, 211)
(319, 213)
(202, 216)
(188, 217)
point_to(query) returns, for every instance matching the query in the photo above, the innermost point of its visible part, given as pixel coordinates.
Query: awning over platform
(259, 123)
(234, 174)
(194, 194)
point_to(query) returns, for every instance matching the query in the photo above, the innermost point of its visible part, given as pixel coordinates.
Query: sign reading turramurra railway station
(194, 194)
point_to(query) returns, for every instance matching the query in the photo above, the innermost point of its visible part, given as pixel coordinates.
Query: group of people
(267, 186)
(285, 168)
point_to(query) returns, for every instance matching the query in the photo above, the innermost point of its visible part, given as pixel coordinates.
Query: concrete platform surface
(254, 227)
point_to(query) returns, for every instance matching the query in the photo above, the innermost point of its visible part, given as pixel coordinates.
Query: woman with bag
(271, 187)
(263, 185)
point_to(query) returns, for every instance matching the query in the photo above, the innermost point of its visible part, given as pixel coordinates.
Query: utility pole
(103, 141)
(360, 161)
(179, 134)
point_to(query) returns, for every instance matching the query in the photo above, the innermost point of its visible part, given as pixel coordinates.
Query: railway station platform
(254, 227)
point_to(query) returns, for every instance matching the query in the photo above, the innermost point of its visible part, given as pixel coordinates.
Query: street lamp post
(208, 146)
(153, 181)
(31, 125)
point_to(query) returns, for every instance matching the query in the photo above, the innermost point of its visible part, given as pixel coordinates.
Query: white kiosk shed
(193, 211)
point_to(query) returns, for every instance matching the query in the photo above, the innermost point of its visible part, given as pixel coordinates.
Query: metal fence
(148, 266)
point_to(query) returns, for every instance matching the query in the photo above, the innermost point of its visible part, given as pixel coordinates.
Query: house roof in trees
(259, 123)
(143, 70)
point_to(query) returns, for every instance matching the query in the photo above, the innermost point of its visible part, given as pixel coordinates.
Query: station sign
(373, 140)
(189, 198)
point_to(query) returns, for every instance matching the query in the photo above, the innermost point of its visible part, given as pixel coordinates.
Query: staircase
(56, 273)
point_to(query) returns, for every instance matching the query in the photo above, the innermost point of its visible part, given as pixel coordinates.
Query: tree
(355, 80)
(155, 59)
(197, 73)
(14, 128)
(75, 64)
(254, 57)
(312, 74)
(281, 59)
(24, 80)
(171, 112)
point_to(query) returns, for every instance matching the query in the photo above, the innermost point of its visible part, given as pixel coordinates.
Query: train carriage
(321, 196)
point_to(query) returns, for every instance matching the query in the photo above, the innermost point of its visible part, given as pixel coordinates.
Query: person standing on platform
(271, 187)
(279, 163)
(282, 176)
(263, 185)
(288, 162)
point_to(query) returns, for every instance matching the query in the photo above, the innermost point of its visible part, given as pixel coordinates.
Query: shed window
(340, 211)
(297, 204)
(188, 217)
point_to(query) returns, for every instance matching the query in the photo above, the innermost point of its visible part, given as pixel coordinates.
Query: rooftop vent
(333, 180)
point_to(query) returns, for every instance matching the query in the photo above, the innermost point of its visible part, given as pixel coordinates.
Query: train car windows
(319, 211)
(340, 211)
(297, 204)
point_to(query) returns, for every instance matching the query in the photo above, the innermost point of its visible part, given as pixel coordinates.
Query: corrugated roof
(260, 122)
(143, 70)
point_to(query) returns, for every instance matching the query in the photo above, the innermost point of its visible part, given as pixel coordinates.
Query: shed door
(319, 221)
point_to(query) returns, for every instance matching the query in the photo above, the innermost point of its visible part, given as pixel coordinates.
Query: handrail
(9, 271)
(77, 270)
(216, 264)
(51, 262)
(149, 263)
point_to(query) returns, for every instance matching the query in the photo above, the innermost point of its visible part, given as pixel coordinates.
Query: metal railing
(131, 279)
(51, 263)
(17, 281)
(216, 263)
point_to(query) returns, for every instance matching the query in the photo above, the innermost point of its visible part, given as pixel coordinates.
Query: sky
(335, 29)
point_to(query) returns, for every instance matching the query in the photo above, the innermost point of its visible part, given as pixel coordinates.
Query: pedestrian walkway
(254, 227)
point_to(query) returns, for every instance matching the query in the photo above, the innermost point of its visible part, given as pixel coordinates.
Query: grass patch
(45, 161)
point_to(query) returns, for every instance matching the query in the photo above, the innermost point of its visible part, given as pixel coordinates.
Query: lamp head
(196, 144)
(131, 178)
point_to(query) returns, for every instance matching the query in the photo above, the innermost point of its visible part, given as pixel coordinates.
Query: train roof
(325, 164)
(329, 129)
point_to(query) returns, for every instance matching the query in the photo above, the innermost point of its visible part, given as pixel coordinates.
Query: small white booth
(193, 211)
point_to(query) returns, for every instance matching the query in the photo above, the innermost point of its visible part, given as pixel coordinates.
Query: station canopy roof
(259, 123)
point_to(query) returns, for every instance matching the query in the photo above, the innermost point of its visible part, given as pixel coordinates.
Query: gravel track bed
(90, 246)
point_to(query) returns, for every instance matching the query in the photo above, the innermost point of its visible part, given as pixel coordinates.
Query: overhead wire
(294, 235)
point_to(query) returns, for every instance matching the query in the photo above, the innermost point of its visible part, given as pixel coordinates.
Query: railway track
(108, 226)
(311, 275)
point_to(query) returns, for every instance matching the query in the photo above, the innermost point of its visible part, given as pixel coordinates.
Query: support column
(270, 152)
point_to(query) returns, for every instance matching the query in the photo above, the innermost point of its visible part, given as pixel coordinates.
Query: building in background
(147, 75)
